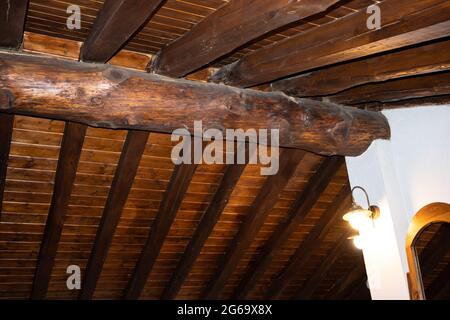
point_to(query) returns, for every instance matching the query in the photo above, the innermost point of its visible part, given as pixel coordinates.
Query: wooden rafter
(344, 285)
(440, 286)
(12, 23)
(111, 97)
(168, 209)
(132, 151)
(71, 146)
(296, 215)
(312, 241)
(263, 203)
(348, 38)
(436, 249)
(6, 130)
(396, 90)
(231, 26)
(204, 229)
(116, 23)
(308, 288)
(407, 62)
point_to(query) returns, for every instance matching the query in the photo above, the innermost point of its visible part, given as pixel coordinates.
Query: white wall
(402, 176)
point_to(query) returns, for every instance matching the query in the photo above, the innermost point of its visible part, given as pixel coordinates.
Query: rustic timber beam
(296, 216)
(260, 209)
(308, 288)
(12, 23)
(111, 97)
(348, 38)
(407, 62)
(204, 229)
(116, 23)
(69, 156)
(231, 26)
(173, 197)
(130, 157)
(312, 241)
(6, 130)
(436, 84)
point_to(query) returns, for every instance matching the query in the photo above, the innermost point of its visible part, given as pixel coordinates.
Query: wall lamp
(360, 218)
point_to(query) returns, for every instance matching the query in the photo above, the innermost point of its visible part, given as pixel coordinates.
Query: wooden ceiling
(112, 202)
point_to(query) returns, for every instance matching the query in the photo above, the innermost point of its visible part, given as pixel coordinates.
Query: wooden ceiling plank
(205, 227)
(344, 285)
(130, 157)
(345, 39)
(115, 25)
(231, 26)
(6, 130)
(431, 85)
(440, 287)
(260, 209)
(308, 288)
(310, 125)
(69, 156)
(168, 209)
(436, 249)
(408, 62)
(305, 250)
(12, 23)
(297, 213)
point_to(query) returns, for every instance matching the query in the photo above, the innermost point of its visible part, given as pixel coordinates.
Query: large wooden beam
(69, 156)
(173, 197)
(6, 130)
(204, 229)
(130, 157)
(407, 62)
(296, 215)
(308, 288)
(312, 241)
(403, 24)
(12, 22)
(261, 207)
(228, 28)
(111, 97)
(436, 84)
(116, 23)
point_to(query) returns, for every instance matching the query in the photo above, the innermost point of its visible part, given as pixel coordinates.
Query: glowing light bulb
(359, 242)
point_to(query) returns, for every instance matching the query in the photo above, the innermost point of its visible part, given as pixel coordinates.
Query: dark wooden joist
(12, 22)
(406, 62)
(308, 288)
(130, 157)
(204, 229)
(403, 24)
(111, 97)
(6, 130)
(115, 24)
(435, 84)
(231, 26)
(168, 209)
(296, 216)
(261, 207)
(436, 249)
(301, 256)
(69, 156)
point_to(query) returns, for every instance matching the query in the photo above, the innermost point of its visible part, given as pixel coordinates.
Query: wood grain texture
(403, 23)
(431, 85)
(111, 97)
(130, 157)
(116, 23)
(69, 157)
(6, 130)
(205, 227)
(311, 243)
(301, 207)
(262, 205)
(407, 62)
(12, 22)
(233, 25)
(173, 197)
